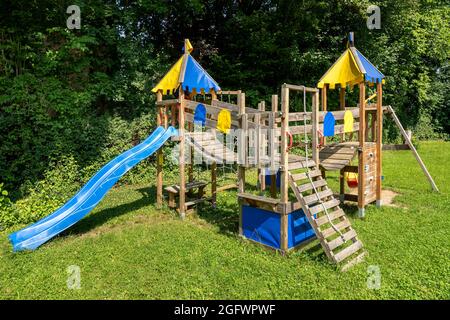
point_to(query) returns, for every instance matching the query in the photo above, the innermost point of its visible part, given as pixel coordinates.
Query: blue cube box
(264, 226)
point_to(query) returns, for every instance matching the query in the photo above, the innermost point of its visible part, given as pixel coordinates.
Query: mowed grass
(127, 249)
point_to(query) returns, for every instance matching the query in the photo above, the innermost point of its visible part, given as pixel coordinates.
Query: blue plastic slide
(90, 195)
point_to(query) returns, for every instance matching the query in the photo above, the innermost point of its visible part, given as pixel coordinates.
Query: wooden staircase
(333, 229)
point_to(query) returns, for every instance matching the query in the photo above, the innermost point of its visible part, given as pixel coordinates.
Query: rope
(308, 170)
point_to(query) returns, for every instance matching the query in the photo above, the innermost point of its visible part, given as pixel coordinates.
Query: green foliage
(5, 207)
(82, 94)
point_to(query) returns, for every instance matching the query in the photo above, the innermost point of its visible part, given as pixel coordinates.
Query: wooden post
(373, 126)
(273, 177)
(213, 166)
(342, 186)
(191, 157)
(165, 117)
(324, 97)
(315, 128)
(242, 151)
(324, 109)
(262, 146)
(243, 141)
(367, 127)
(181, 124)
(213, 183)
(173, 115)
(342, 106)
(379, 137)
(159, 158)
(284, 187)
(258, 146)
(362, 139)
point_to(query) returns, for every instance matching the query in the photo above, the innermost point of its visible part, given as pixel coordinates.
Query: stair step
(321, 195)
(340, 226)
(347, 252)
(301, 164)
(302, 176)
(309, 185)
(333, 215)
(333, 244)
(319, 218)
(321, 207)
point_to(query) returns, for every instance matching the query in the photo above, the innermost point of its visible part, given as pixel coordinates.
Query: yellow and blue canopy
(188, 74)
(351, 68)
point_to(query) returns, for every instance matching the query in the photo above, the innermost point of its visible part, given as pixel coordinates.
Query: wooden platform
(210, 148)
(336, 156)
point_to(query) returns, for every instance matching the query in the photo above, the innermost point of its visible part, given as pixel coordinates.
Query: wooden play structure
(352, 69)
(291, 152)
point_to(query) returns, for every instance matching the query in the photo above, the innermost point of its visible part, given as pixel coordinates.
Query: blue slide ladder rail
(90, 195)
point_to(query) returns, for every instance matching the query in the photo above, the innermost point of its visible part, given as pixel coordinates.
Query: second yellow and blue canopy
(188, 74)
(351, 68)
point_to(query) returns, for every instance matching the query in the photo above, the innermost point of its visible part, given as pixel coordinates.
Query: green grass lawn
(127, 249)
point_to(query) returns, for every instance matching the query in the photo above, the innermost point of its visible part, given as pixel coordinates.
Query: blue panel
(195, 77)
(200, 114)
(328, 125)
(372, 74)
(299, 228)
(264, 227)
(261, 225)
(268, 176)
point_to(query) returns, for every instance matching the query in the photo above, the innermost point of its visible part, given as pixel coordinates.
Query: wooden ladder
(314, 196)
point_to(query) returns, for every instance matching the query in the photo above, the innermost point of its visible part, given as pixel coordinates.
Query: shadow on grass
(350, 209)
(225, 215)
(99, 218)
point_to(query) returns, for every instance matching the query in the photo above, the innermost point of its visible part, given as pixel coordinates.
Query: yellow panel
(343, 72)
(171, 79)
(224, 121)
(348, 121)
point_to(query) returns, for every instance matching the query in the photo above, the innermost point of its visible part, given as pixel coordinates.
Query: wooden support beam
(379, 141)
(242, 151)
(315, 128)
(362, 139)
(159, 156)
(324, 105)
(173, 115)
(273, 125)
(342, 185)
(191, 156)
(259, 145)
(300, 88)
(214, 183)
(181, 123)
(324, 97)
(284, 187)
(214, 165)
(342, 106)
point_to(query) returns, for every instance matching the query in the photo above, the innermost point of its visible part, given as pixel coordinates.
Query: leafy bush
(5, 208)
